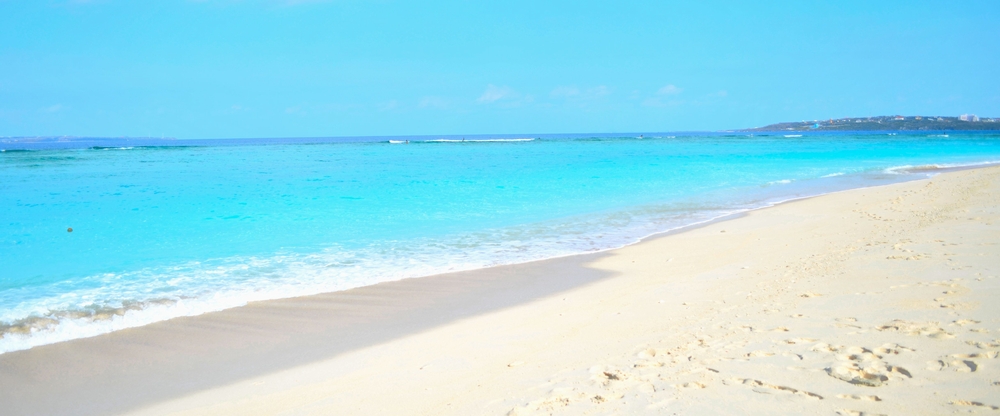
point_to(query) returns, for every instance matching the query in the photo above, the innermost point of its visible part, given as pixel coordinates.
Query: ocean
(170, 228)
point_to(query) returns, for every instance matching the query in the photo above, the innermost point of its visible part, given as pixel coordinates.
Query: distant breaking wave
(931, 168)
(461, 141)
(313, 219)
(196, 288)
(477, 140)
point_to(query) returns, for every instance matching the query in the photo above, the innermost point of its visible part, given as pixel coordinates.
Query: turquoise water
(167, 231)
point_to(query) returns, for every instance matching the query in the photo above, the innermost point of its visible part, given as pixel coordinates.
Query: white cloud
(494, 93)
(565, 92)
(600, 91)
(659, 102)
(574, 92)
(433, 102)
(236, 108)
(298, 2)
(389, 105)
(53, 108)
(670, 89)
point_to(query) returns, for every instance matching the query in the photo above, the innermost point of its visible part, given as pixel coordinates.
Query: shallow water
(165, 231)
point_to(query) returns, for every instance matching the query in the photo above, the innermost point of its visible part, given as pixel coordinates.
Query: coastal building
(899, 118)
(968, 117)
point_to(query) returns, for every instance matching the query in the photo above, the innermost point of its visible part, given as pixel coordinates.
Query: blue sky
(227, 68)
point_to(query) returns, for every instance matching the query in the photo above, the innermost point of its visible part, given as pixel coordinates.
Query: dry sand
(873, 301)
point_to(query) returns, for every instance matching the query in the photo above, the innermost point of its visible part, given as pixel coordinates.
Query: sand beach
(870, 301)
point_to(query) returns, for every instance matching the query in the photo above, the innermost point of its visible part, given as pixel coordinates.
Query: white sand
(877, 301)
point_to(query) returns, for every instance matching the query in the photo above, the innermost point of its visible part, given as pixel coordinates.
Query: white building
(968, 117)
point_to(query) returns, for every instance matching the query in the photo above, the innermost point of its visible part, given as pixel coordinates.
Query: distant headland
(900, 123)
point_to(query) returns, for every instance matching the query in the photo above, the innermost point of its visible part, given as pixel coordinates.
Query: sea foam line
(477, 140)
(234, 282)
(937, 166)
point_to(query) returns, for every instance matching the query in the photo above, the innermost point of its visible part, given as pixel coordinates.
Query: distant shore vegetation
(969, 122)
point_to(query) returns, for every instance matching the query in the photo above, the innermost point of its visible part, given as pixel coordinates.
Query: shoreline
(112, 373)
(134, 318)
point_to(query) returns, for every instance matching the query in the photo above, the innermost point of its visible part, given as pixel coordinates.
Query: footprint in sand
(767, 388)
(929, 329)
(984, 345)
(824, 347)
(758, 353)
(689, 385)
(794, 341)
(857, 397)
(846, 412)
(970, 403)
(547, 405)
(861, 366)
(961, 366)
(893, 349)
(854, 375)
(988, 354)
(607, 376)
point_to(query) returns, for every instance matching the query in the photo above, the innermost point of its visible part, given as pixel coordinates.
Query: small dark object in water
(69, 230)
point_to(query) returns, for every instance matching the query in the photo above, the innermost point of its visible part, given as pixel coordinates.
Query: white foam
(908, 168)
(216, 284)
(478, 140)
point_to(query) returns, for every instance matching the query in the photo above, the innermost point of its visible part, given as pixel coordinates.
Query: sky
(287, 68)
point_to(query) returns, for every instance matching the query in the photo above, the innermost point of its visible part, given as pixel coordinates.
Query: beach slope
(870, 301)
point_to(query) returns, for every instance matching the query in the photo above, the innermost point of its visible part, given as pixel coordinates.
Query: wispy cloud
(494, 93)
(312, 109)
(669, 89)
(53, 108)
(273, 2)
(236, 108)
(298, 2)
(720, 94)
(433, 102)
(577, 93)
(85, 2)
(565, 92)
(389, 105)
(661, 102)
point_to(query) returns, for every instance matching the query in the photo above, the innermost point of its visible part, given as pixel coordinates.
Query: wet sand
(871, 301)
(120, 371)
